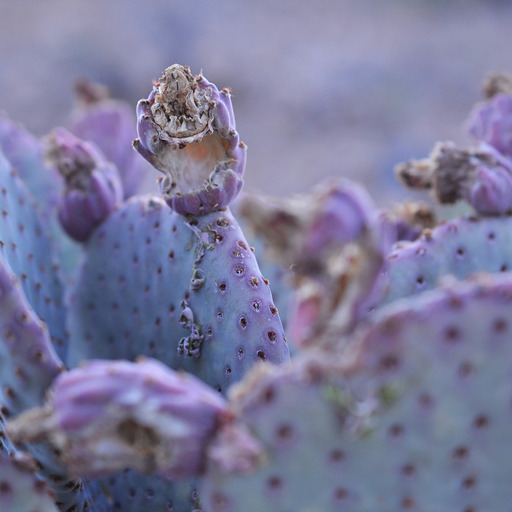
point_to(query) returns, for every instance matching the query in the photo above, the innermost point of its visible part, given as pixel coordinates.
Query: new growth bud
(491, 122)
(92, 185)
(480, 175)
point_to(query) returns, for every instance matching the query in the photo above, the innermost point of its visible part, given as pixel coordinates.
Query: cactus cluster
(144, 364)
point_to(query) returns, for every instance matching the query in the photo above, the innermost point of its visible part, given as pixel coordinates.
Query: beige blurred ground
(321, 88)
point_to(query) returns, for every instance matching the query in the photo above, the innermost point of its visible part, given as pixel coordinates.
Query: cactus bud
(109, 415)
(491, 122)
(480, 175)
(93, 186)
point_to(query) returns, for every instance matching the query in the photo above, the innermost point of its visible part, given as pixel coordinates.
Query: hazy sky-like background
(320, 88)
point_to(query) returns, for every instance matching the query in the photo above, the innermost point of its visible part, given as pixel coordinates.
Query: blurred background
(320, 88)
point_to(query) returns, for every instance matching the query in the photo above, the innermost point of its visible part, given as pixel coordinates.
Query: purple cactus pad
(335, 241)
(412, 414)
(110, 124)
(187, 131)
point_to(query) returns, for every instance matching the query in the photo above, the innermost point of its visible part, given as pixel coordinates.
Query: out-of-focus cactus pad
(25, 154)
(457, 248)
(26, 246)
(21, 490)
(419, 421)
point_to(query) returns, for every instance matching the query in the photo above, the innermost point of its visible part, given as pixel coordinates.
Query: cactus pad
(187, 291)
(27, 248)
(25, 154)
(20, 490)
(457, 248)
(419, 420)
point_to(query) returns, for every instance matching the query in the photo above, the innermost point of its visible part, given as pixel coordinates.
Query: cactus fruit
(489, 121)
(482, 176)
(106, 416)
(92, 185)
(187, 131)
(143, 362)
(336, 243)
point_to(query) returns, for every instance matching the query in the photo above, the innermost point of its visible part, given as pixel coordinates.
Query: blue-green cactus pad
(154, 281)
(28, 366)
(26, 246)
(187, 291)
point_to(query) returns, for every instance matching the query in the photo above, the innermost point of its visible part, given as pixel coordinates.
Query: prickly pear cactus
(185, 289)
(398, 393)
(197, 300)
(479, 175)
